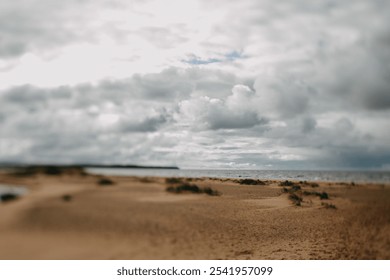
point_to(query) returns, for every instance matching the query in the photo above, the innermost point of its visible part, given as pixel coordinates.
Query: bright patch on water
(15, 190)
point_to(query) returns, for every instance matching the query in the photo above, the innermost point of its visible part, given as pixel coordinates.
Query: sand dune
(71, 216)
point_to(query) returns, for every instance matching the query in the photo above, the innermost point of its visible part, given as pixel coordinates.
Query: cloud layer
(217, 84)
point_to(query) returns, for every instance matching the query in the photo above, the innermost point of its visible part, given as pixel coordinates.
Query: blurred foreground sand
(136, 218)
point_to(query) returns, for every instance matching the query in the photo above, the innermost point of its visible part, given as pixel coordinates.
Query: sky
(249, 84)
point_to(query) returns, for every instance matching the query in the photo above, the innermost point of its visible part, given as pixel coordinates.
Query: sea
(333, 176)
(16, 190)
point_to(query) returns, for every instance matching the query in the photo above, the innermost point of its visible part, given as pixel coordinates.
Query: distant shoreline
(171, 171)
(15, 165)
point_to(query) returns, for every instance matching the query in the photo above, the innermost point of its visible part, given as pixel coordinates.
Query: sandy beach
(80, 216)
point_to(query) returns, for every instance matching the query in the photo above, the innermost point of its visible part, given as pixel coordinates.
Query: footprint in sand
(243, 253)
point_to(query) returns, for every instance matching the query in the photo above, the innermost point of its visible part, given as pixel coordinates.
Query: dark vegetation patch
(292, 189)
(5, 197)
(105, 182)
(295, 188)
(250, 182)
(321, 195)
(211, 192)
(66, 197)
(173, 180)
(52, 170)
(328, 205)
(146, 180)
(295, 198)
(313, 185)
(296, 194)
(192, 188)
(286, 183)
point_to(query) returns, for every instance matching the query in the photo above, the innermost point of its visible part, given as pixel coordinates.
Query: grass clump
(313, 185)
(322, 195)
(173, 180)
(210, 191)
(328, 205)
(295, 188)
(285, 190)
(105, 182)
(294, 192)
(250, 182)
(192, 188)
(184, 188)
(292, 189)
(296, 199)
(286, 183)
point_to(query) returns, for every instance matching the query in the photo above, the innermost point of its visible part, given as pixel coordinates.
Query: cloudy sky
(255, 84)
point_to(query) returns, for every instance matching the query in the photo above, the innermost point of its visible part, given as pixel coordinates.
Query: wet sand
(71, 216)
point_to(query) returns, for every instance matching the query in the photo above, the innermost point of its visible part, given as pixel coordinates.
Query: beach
(75, 215)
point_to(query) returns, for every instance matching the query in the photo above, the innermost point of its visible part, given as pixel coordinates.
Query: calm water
(336, 176)
(17, 190)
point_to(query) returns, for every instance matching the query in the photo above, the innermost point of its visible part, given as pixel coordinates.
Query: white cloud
(234, 112)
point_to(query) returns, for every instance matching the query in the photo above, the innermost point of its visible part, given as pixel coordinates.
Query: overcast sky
(255, 84)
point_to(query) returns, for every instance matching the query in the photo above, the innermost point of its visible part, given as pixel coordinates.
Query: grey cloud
(344, 125)
(2, 117)
(28, 94)
(168, 85)
(357, 78)
(227, 120)
(335, 47)
(148, 124)
(64, 123)
(338, 144)
(378, 100)
(308, 124)
(281, 95)
(362, 157)
(30, 25)
(41, 25)
(12, 49)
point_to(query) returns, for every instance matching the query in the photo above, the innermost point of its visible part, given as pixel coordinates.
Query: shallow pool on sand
(9, 192)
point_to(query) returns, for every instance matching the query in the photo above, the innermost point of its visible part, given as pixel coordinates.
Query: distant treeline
(124, 166)
(66, 166)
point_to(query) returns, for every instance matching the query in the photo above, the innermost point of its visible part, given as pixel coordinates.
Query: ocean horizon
(366, 176)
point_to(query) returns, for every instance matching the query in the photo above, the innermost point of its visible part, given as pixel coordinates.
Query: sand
(71, 216)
